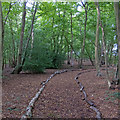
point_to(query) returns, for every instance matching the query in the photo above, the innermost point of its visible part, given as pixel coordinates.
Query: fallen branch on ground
(92, 106)
(28, 113)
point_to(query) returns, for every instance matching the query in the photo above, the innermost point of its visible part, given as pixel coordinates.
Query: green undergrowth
(41, 58)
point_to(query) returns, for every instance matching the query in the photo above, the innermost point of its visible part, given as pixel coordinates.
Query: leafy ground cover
(61, 97)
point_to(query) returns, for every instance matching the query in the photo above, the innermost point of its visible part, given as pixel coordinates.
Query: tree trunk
(97, 41)
(117, 13)
(83, 46)
(102, 55)
(18, 69)
(53, 37)
(71, 54)
(105, 53)
(22, 35)
(30, 33)
(68, 56)
(2, 35)
(3, 24)
(110, 47)
(1, 41)
(13, 44)
(89, 57)
(10, 6)
(32, 39)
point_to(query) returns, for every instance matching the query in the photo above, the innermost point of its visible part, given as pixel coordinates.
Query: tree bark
(30, 33)
(1, 41)
(18, 69)
(89, 57)
(97, 41)
(3, 24)
(10, 6)
(32, 39)
(71, 54)
(1, 62)
(117, 13)
(83, 46)
(22, 34)
(105, 53)
(13, 45)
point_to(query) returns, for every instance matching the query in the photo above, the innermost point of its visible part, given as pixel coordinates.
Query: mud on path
(61, 97)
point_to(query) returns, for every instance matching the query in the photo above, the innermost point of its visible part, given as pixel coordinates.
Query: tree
(84, 39)
(71, 54)
(97, 41)
(13, 44)
(105, 53)
(19, 62)
(117, 13)
(18, 69)
(22, 34)
(1, 41)
(57, 25)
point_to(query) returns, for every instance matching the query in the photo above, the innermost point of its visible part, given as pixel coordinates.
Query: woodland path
(61, 97)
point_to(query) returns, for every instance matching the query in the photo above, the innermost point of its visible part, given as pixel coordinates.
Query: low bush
(41, 58)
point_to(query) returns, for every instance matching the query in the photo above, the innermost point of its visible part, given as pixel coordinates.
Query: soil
(61, 97)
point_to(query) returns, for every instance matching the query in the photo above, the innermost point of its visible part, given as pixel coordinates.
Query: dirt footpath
(61, 97)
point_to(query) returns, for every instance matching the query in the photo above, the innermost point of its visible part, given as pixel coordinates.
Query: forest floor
(61, 97)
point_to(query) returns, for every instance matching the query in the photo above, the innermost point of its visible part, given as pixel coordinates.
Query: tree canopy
(55, 31)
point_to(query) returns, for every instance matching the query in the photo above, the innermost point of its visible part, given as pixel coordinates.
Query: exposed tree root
(28, 113)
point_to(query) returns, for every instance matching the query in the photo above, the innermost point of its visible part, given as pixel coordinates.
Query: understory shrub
(57, 59)
(41, 58)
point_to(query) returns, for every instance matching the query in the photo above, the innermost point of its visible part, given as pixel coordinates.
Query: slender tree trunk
(3, 24)
(10, 6)
(68, 55)
(68, 46)
(71, 55)
(22, 35)
(18, 69)
(117, 13)
(106, 57)
(110, 47)
(89, 57)
(61, 41)
(32, 39)
(1, 41)
(53, 36)
(83, 46)
(13, 44)
(102, 55)
(2, 36)
(97, 41)
(30, 33)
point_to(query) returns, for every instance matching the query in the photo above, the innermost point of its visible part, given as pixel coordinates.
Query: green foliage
(57, 59)
(37, 60)
(41, 58)
(52, 26)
